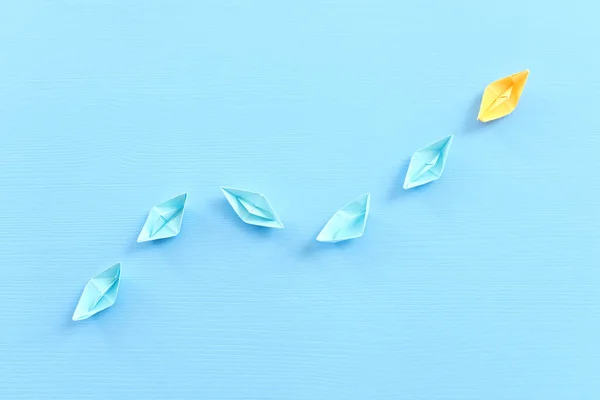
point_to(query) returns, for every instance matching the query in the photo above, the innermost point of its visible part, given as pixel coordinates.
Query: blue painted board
(481, 285)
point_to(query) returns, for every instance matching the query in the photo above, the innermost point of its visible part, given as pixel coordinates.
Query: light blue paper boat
(348, 222)
(427, 164)
(252, 208)
(99, 293)
(164, 220)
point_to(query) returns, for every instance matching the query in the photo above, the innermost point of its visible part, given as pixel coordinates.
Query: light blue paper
(99, 293)
(427, 164)
(348, 222)
(252, 208)
(164, 220)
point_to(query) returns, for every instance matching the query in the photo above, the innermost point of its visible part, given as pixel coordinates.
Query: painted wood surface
(482, 285)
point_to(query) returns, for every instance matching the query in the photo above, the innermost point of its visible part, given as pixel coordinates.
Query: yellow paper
(501, 97)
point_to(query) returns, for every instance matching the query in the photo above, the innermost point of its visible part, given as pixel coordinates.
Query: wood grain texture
(482, 285)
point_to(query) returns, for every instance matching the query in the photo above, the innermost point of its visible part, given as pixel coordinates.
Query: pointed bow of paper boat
(501, 97)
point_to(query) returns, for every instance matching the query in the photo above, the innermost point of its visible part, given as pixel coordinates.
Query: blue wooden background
(483, 285)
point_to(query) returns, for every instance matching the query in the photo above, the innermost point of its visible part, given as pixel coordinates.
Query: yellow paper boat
(501, 97)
